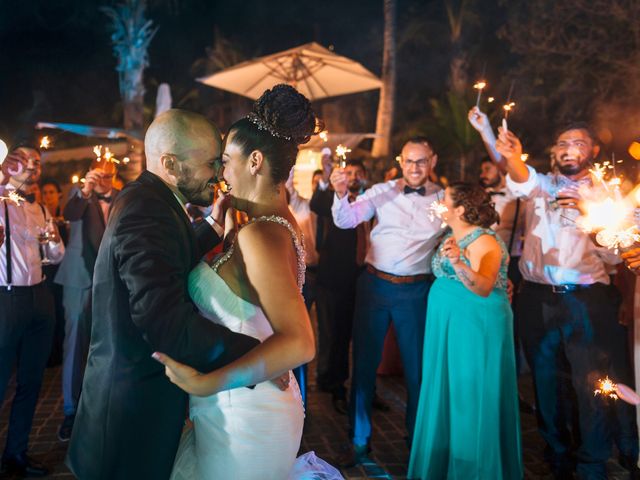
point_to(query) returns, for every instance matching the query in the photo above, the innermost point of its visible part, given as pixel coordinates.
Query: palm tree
(386, 105)
(132, 34)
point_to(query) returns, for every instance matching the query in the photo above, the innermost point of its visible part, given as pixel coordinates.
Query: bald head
(182, 148)
(180, 133)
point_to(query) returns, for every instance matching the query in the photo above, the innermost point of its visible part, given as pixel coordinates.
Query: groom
(130, 415)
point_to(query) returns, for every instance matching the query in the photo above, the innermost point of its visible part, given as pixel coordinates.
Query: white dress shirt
(307, 221)
(404, 237)
(25, 220)
(505, 203)
(556, 251)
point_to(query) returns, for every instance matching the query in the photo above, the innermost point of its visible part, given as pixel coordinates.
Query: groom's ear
(169, 163)
(256, 160)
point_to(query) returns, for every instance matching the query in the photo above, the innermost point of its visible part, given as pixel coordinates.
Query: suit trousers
(335, 323)
(570, 341)
(378, 303)
(27, 321)
(77, 307)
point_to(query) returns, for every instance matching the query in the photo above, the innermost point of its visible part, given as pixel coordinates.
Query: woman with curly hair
(254, 288)
(467, 425)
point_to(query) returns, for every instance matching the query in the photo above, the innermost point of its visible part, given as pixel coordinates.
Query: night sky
(57, 62)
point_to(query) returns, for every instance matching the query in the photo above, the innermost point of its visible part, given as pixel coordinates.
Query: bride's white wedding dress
(244, 434)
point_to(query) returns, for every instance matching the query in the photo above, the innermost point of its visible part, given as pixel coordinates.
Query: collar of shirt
(182, 203)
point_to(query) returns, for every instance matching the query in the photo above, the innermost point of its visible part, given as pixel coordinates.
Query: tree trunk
(386, 105)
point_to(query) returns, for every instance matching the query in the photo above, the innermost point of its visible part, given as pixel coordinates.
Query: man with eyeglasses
(568, 311)
(27, 316)
(395, 283)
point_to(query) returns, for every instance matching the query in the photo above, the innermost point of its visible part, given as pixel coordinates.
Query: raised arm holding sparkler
(479, 120)
(567, 274)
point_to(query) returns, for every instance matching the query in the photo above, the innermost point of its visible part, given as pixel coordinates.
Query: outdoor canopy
(314, 70)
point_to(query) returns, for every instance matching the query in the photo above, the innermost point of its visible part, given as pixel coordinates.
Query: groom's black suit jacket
(130, 415)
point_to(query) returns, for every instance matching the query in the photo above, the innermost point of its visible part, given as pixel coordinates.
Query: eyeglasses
(423, 162)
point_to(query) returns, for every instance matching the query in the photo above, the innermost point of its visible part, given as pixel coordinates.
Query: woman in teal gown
(467, 425)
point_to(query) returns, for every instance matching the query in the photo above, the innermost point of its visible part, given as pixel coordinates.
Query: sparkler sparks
(607, 388)
(437, 210)
(480, 85)
(14, 197)
(45, 142)
(341, 152)
(508, 107)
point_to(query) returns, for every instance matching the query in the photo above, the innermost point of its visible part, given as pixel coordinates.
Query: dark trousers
(309, 295)
(513, 273)
(335, 323)
(77, 305)
(378, 303)
(55, 357)
(570, 341)
(26, 327)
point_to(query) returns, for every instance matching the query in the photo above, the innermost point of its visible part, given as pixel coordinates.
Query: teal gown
(467, 425)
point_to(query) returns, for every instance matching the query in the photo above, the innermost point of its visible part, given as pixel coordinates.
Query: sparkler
(607, 388)
(491, 99)
(341, 152)
(437, 210)
(609, 216)
(45, 142)
(507, 107)
(14, 197)
(324, 135)
(480, 85)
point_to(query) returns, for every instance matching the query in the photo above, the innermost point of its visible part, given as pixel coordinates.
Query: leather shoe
(630, 464)
(24, 466)
(64, 432)
(526, 407)
(352, 455)
(339, 404)
(380, 404)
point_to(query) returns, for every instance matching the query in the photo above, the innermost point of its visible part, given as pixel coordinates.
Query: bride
(254, 288)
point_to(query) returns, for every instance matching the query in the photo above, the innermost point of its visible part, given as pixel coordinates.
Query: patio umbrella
(314, 70)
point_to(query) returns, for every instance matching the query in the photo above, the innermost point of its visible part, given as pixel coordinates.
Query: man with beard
(395, 283)
(341, 261)
(27, 316)
(130, 416)
(568, 310)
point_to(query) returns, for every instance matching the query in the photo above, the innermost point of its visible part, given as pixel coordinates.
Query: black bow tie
(29, 197)
(420, 191)
(103, 198)
(497, 193)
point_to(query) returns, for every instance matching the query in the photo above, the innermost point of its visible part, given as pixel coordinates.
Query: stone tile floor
(325, 432)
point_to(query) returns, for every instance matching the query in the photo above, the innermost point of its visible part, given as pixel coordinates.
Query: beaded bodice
(441, 266)
(298, 244)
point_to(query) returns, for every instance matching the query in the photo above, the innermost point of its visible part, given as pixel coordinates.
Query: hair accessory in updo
(263, 125)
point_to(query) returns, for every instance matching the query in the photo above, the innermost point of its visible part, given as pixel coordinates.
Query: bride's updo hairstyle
(478, 207)
(281, 119)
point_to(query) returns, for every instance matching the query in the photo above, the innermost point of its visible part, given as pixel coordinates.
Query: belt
(567, 288)
(398, 278)
(19, 289)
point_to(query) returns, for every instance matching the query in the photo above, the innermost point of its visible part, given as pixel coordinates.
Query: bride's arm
(270, 263)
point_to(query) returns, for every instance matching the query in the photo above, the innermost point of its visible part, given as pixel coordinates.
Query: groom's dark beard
(197, 194)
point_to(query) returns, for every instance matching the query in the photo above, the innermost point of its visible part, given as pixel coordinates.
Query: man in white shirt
(395, 284)
(27, 315)
(568, 310)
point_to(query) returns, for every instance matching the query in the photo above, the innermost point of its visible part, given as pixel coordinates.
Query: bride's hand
(220, 207)
(187, 378)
